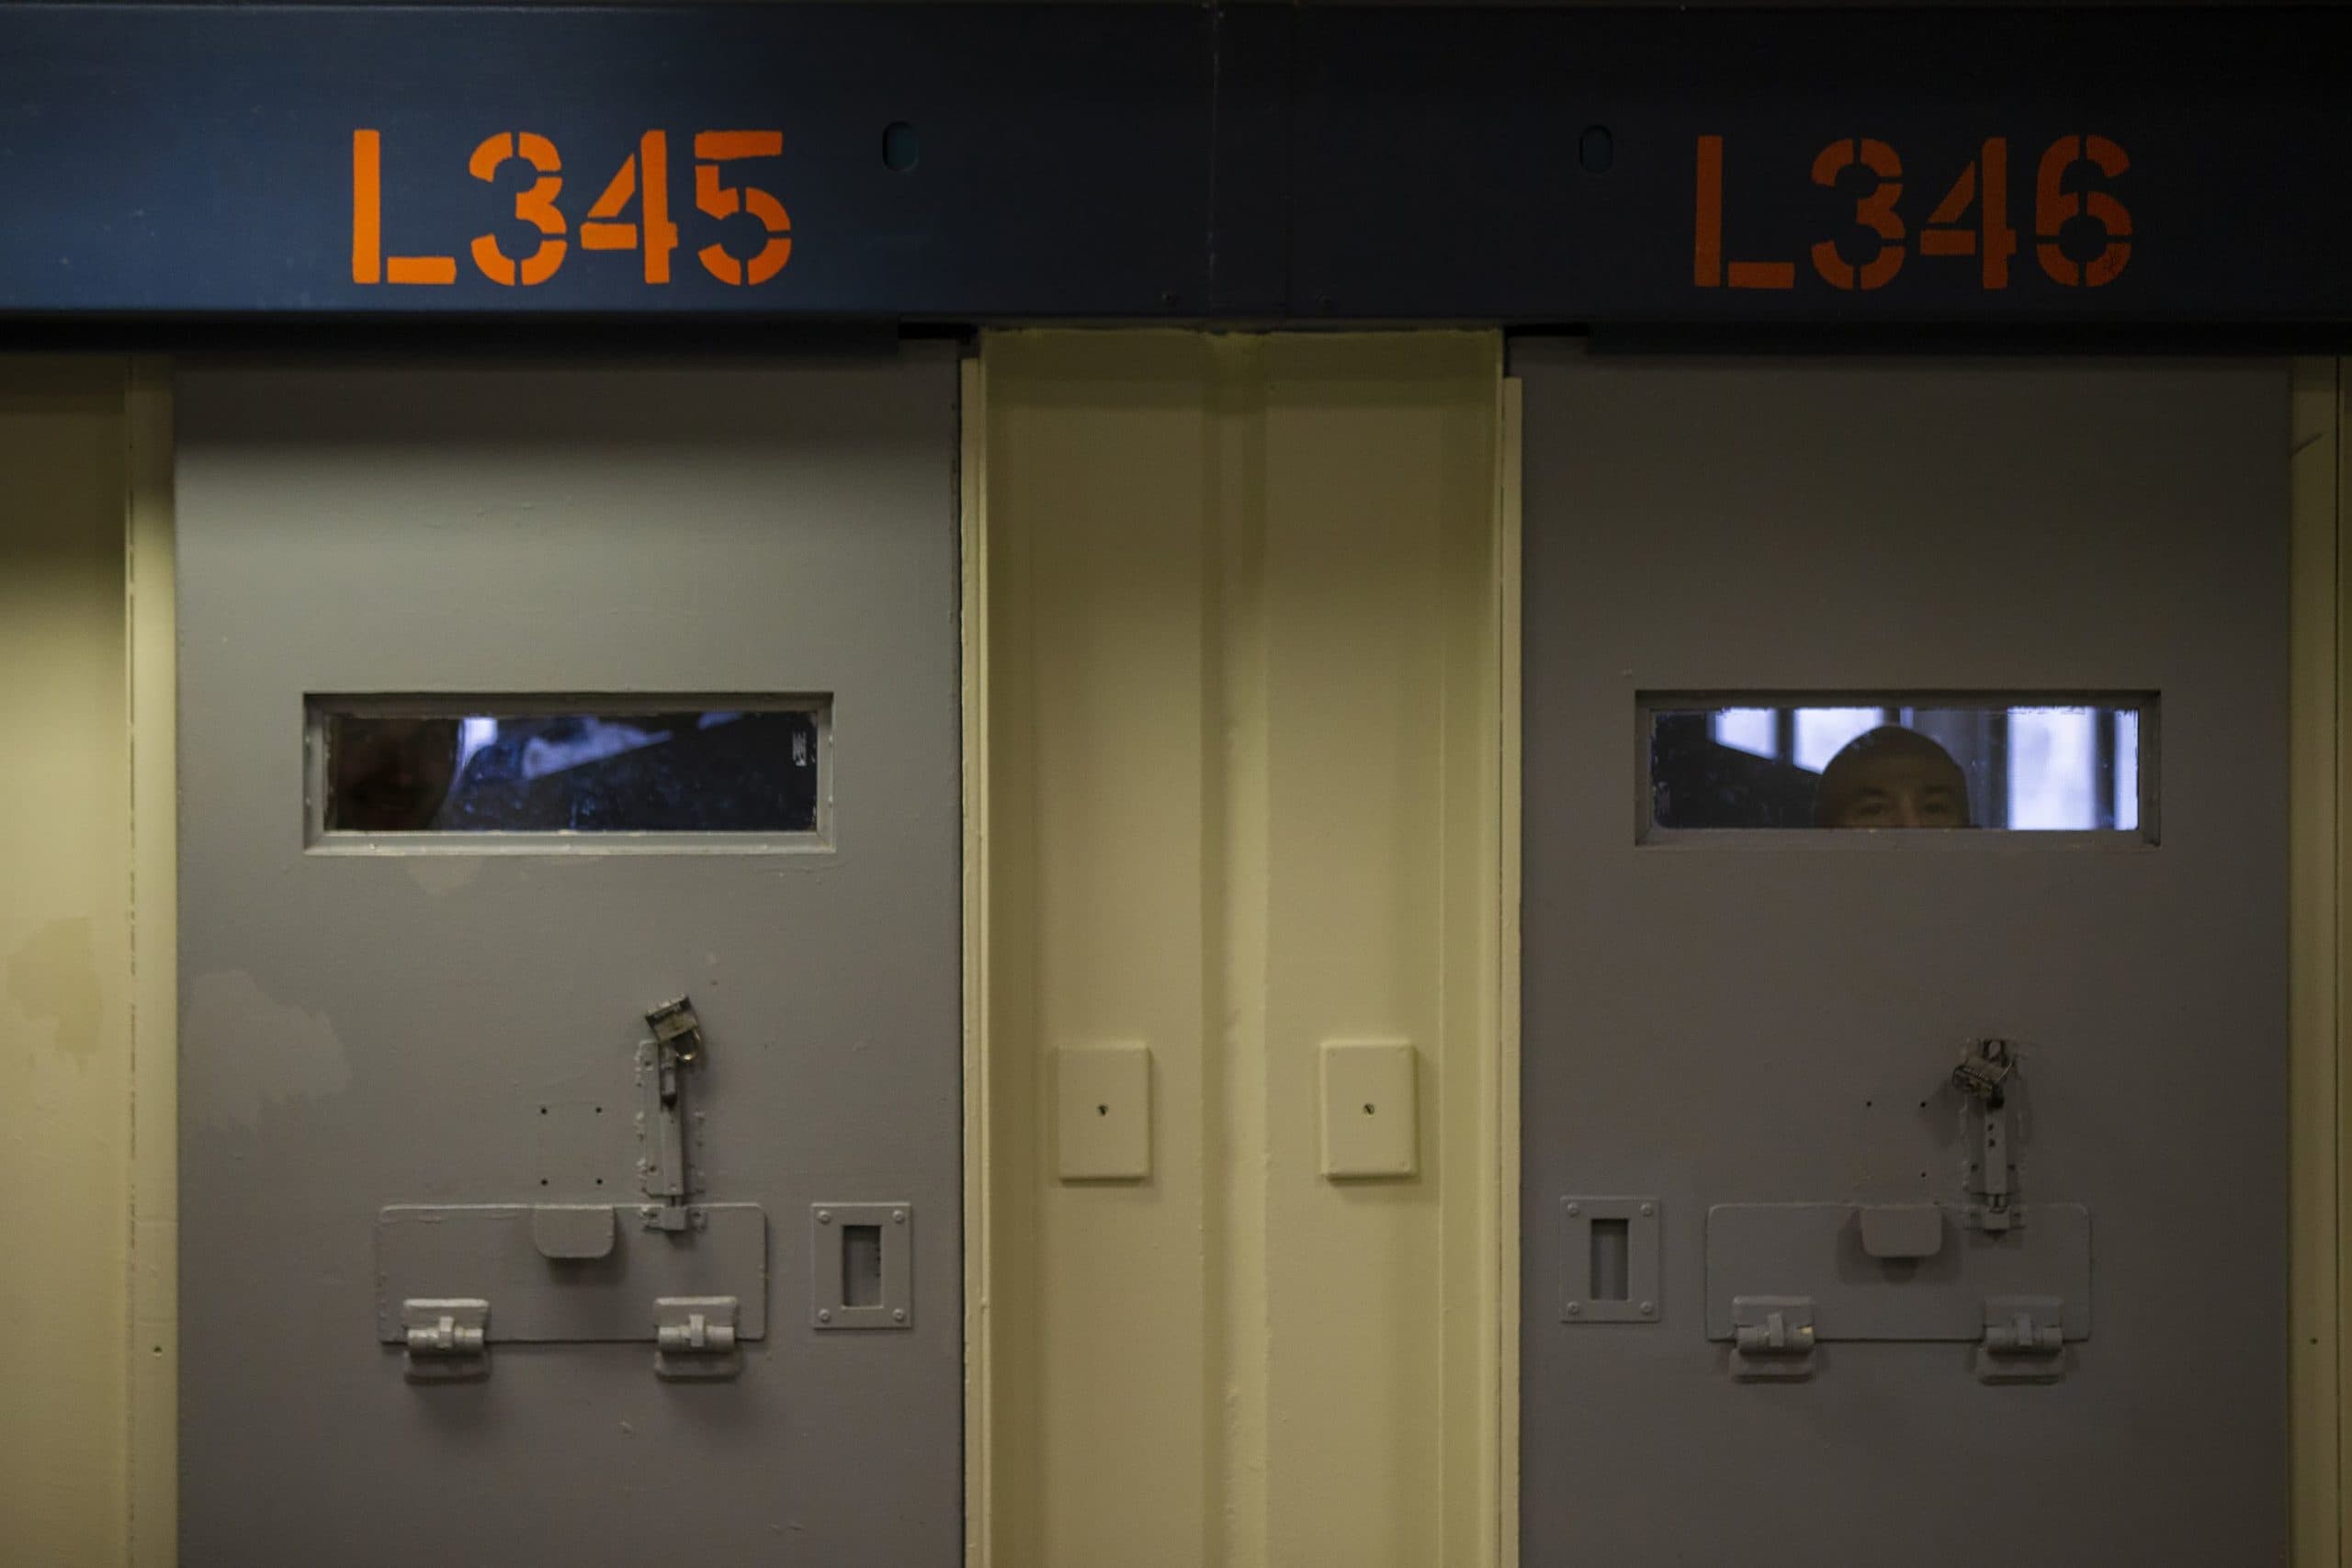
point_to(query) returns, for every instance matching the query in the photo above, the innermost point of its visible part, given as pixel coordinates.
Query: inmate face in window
(1892, 777)
(1999, 764)
(390, 775)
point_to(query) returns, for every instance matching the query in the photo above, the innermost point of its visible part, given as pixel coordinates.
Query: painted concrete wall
(1244, 701)
(65, 980)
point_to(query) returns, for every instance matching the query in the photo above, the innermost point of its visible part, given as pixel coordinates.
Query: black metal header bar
(2126, 172)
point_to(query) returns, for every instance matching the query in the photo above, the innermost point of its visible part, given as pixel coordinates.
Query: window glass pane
(2017, 763)
(2126, 795)
(462, 769)
(2054, 777)
(1754, 731)
(1822, 731)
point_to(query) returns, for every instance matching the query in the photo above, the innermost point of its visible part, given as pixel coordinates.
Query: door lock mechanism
(1772, 1338)
(1986, 1070)
(675, 1027)
(448, 1339)
(693, 1336)
(2025, 1339)
(665, 1173)
(1983, 1068)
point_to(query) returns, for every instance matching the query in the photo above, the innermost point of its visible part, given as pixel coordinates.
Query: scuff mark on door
(279, 1052)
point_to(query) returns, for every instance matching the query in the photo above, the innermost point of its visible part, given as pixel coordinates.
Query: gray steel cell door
(480, 1263)
(1904, 1190)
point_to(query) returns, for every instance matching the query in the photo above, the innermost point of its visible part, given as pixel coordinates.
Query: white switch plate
(1369, 1124)
(1104, 1129)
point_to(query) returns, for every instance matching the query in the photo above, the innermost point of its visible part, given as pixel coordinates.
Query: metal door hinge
(1772, 1338)
(448, 1337)
(693, 1336)
(2025, 1340)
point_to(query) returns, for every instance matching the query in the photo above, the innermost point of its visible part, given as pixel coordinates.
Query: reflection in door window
(461, 769)
(2054, 775)
(1754, 731)
(1822, 733)
(2017, 764)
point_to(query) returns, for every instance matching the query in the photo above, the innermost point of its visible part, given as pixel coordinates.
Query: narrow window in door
(2014, 763)
(402, 769)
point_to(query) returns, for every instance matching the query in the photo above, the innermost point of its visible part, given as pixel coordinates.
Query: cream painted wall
(1241, 793)
(66, 981)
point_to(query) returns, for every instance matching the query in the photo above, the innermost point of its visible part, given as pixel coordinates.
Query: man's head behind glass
(1892, 777)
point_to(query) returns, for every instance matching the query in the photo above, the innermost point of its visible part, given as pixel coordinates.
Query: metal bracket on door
(693, 1336)
(448, 1337)
(863, 1274)
(1611, 1251)
(1772, 1338)
(2025, 1340)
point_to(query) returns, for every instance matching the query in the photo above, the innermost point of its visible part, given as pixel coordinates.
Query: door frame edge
(150, 587)
(2317, 789)
(972, 631)
(1509, 416)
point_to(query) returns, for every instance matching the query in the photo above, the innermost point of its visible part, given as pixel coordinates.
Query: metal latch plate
(1772, 1338)
(693, 1336)
(2025, 1340)
(448, 1337)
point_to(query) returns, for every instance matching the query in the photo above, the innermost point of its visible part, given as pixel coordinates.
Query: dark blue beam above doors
(2127, 170)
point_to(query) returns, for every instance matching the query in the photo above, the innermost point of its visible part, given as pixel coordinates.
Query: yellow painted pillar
(65, 1015)
(1241, 666)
